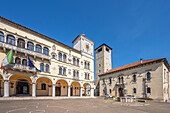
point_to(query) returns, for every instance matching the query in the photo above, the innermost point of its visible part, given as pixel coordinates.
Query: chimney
(141, 60)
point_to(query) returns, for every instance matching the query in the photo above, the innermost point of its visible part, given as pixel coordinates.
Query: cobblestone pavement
(97, 105)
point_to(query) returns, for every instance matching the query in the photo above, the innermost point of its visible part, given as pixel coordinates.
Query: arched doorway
(61, 88)
(20, 85)
(43, 87)
(75, 89)
(1, 86)
(87, 89)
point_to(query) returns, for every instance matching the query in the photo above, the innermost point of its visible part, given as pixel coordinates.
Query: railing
(21, 67)
(24, 50)
(75, 77)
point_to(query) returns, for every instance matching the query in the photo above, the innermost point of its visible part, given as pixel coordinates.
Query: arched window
(24, 62)
(60, 70)
(77, 62)
(43, 86)
(1, 37)
(74, 61)
(148, 76)
(85, 65)
(77, 73)
(38, 48)
(134, 78)
(64, 71)
(88, 65)
(134, 90)
(30, 46)
(17, 60)
(59, 56)
(88, 76)
(53, 56)
(74, 73)
(46, 51)
(42, 67)
(46, 68)
(64, 58)
(21, 43)
(10, 39)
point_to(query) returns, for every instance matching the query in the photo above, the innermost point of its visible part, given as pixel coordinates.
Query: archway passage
(1, 86)
(61, 88)
(87, 89)
(75, 89)
(20, 85)
(43, 87)
(120, 92)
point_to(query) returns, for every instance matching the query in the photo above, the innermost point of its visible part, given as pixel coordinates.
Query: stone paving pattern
(98, 105)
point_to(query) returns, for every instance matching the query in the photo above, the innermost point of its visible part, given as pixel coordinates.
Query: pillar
(69, 91)
(81, 91)
(33, 90)
(53, 90)
(92, 92)
(6, 88)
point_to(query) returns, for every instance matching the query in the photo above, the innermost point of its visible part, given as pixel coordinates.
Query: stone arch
(75, 88)
(20, 84)
(86, 89)
(1, 86)
(44, 86)
(61, 87)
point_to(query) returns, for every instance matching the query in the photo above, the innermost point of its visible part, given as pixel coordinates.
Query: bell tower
(103, 61)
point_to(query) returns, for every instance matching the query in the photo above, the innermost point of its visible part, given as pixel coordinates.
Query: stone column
(33, 89)
(6, 88)
(92, 92)
(26, 41)
(5, 38)
(69, 91)
(16, 41)
(53, 90)
(81, 91)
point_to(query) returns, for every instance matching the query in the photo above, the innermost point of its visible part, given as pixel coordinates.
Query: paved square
(98, 105)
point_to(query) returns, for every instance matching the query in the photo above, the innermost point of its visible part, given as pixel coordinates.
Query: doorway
(58, 91)
(120, 92)
(22, 87)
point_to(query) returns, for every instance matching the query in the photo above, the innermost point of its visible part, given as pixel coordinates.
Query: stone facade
(65, 71)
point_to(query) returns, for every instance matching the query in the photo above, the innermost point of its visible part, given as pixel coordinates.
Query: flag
(31, 64)
(7, 60)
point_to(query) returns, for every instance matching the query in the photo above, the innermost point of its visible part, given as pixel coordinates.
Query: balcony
(23, 50)
(75, 77)
(21, 67)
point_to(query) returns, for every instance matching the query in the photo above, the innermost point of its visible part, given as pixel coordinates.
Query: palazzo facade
(65, 71)
(143, 79)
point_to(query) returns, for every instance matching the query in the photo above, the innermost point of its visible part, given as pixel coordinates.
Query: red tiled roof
(133, 65)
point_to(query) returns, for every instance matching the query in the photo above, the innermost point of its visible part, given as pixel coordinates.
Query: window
(84, 65)
(38, 48)
(110, 91)
(46, 51)
(77, 74)
(103, 81)
(99, 71)
(17, 60)
(60, 70)
(24, 62)
(110, 80)
(99, 65)
(46, 68)
(1, 37)
(74, 73)
(77, 62)
(21, 43)
(148, 76)
(10, 39)
(53, 56)
(107, 49)
(59, 56)
(148, 90)
(30, 46)
(64, 58)
(42, 67)
(134, 90)
(64, 71)
(88, 65)
(99, 50)
(43, 86)
(74, 61)
(134, 78)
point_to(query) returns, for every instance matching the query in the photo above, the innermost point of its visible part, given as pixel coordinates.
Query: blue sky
(133, 28)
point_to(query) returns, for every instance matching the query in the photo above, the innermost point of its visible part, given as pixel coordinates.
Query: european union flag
(31, 64)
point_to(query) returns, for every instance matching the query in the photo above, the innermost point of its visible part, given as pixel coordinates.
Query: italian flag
(7, 60)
